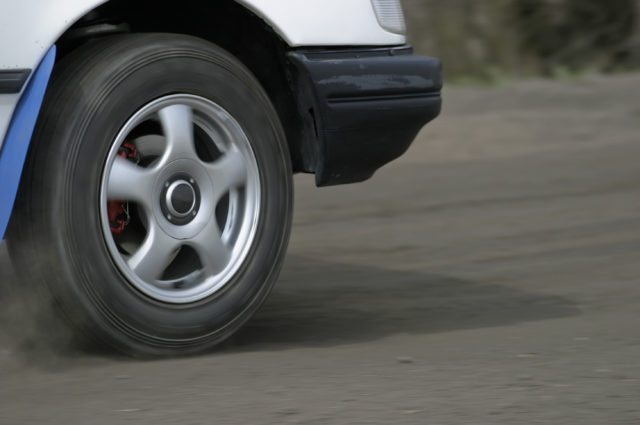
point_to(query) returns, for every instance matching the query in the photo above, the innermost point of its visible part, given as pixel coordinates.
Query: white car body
(29, 28)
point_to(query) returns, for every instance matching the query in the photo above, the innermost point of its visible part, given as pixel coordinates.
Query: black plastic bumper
(362, 108)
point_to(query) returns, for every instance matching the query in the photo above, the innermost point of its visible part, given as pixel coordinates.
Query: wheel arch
(226, 23)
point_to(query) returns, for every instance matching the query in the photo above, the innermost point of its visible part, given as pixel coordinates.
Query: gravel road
(490, 276)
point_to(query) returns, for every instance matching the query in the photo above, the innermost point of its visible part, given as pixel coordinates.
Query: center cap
(180, 199)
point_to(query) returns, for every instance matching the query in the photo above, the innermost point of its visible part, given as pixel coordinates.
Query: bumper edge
(362, 108)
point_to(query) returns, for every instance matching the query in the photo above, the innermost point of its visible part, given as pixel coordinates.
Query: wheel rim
(180, 199)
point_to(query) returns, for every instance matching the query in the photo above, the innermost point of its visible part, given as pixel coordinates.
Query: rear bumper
(362, 108)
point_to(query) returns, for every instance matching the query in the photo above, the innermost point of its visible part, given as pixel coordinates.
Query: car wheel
(155, 208)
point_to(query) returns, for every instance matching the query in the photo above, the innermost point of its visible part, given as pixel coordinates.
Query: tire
(67, 223)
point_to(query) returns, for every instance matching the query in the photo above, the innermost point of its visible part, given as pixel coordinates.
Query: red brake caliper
(119, 211)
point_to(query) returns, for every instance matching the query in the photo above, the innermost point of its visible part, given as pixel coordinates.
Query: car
(148, 150)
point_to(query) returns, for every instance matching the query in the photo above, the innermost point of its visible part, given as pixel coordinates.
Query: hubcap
(191, 195)
(180, 199)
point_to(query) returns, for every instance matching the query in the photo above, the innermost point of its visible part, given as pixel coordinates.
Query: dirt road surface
(490, 276)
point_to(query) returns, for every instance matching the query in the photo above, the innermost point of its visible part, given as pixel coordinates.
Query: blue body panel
(18, 137)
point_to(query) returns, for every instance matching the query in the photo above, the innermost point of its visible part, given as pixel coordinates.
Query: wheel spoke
(213, 252)
(177, 125)
(150, 145)
(154, 255)
(228, 172)
(129, 182)
(181, 259)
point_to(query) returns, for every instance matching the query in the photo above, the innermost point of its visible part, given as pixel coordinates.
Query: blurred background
(490, 40)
